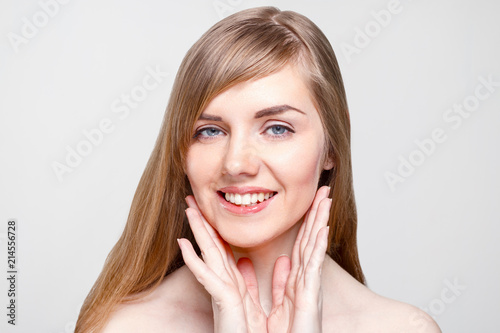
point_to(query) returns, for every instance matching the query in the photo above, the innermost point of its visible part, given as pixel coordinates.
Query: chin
(251, 237)
(247, 241)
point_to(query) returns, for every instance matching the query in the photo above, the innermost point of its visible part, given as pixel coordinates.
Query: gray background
(435, 229)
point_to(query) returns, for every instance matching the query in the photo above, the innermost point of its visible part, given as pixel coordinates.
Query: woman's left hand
(297, 298)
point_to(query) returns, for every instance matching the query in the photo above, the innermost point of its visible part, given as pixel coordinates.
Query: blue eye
(211, 131)
(279, 131)
(208, 132)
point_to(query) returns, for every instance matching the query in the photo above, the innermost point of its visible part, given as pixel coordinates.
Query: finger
(321, 194)
(321, 221)
(191, 202)
(212, 283)
(296, 257)
(314, 267)
(211, 253)
(318, 196)
(224, 248)
(247, 271)
(296, 245)
(280, 276)
(303, 235)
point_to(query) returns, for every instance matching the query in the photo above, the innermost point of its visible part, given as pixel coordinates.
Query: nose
(241, 158)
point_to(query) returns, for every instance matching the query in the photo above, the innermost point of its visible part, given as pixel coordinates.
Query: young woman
(255, 141)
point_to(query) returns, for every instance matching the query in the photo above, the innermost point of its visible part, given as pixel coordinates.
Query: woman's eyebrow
(205, 116)
(270, 111)
(277, 109)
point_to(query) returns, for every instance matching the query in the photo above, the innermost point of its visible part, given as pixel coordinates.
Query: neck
(263, 258)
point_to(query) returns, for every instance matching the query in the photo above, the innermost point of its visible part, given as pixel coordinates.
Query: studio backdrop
(84, 86)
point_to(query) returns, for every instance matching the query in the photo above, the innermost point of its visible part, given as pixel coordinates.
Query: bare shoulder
(349, 306)
(393, 316)
(178, 304)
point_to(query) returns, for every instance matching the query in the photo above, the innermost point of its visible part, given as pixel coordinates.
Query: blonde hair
(250, 44)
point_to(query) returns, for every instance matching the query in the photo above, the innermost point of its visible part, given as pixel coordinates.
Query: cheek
(190, 169)
(201, 168)
(298, 175)
(196, 169)
(298, 171)
(298, 165)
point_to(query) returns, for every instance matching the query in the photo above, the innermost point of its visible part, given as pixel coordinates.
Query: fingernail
(179, 242)
(329, 190)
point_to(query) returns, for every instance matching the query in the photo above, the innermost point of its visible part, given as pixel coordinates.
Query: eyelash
(288, 131)
(206, 137)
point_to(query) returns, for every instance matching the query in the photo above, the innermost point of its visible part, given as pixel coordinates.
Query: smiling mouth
(247, 199)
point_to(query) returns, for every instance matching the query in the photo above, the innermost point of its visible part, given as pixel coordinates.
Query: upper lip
(245, 189)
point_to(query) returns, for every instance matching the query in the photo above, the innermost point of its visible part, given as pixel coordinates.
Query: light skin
(265, 269)
(241, 141)
(259, 137)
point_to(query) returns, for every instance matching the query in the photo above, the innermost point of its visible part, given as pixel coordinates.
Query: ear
(329, 163)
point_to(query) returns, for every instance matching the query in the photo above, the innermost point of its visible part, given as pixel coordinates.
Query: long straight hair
(250, 44)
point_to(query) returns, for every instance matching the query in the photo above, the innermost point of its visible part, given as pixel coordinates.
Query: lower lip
(240, 210)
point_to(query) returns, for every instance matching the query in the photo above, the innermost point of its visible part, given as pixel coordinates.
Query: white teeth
(254, 198)
(247, 199)
(237, 199)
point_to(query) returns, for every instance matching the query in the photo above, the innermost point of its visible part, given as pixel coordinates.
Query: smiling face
(255, 158)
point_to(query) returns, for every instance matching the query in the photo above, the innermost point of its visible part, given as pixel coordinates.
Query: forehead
(286, 86)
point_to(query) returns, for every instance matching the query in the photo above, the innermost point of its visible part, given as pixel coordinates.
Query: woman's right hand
(235, 308)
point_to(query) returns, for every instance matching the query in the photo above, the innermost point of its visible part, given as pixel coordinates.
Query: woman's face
(255, 159)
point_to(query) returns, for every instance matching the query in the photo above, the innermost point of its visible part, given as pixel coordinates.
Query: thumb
(280, 276)
(247, 271)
